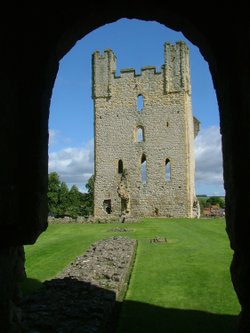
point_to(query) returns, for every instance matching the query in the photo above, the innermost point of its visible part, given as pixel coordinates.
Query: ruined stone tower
(144, 137)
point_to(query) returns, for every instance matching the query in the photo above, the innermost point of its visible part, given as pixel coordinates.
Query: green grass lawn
(180, 286)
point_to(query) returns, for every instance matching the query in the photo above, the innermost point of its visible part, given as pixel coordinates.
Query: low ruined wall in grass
(84, 296)
(90, 220)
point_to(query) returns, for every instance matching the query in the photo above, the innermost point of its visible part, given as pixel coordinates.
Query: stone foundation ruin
(85, 296)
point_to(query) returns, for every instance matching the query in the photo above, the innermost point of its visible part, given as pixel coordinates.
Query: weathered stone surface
(83, 297)
(158, 239)
(106, 264)
(118, 229)
(160, 133)
(93, 220)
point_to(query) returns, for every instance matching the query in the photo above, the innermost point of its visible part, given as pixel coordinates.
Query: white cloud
(73, 165)
(53, 136)
(208, 157)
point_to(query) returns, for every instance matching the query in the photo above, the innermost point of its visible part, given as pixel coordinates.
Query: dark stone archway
(33, 40)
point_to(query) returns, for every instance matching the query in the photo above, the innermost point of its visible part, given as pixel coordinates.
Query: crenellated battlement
(103, 67)
(174, 73)
(146, 71)
(149, 69)
(105, 55)
(126, 72)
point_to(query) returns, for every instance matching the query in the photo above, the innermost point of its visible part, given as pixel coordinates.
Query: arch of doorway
(35, 42)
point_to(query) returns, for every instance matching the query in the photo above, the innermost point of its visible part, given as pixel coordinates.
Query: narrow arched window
(120, 167)
(140, 102)
(143, 169)
(167, 170)
(140, 134)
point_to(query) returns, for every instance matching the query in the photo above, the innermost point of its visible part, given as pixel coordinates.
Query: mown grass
(186, 278)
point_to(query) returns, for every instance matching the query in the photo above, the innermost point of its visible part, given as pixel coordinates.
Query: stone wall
(166, 127)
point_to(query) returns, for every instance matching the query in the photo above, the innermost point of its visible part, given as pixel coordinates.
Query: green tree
(74, 202)
(214, 200)
(90, 186)
(87, 207)
(202, 202)
(63, 201)
(54, 185)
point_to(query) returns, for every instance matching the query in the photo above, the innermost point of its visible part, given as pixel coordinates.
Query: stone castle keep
(144, 137)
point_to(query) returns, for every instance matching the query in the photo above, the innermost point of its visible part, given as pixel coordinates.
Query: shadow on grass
(67, 304)
(29, 285)
(136, 317)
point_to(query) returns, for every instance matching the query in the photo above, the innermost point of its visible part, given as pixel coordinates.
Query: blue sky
(136, 44)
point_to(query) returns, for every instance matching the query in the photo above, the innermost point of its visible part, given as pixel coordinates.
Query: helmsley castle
(144, 137)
